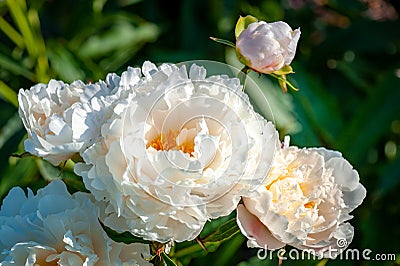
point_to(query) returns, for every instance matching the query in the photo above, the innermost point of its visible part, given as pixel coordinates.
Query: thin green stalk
(242, 75)
(194, 249)
(21, 20)
(285, 81)
(11, 33)
(8, 94)
(15, 67)
(42, 60)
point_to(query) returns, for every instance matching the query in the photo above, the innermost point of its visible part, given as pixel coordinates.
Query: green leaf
(122, 36)
(21, 19)
(389, 176)
(242, 24)
(64, 63)
(229, 249)
(195, 250)
(212, 241)
(15, 67)
(284, 71)
(20, 172)
(222, 233)
(222, 41)
(11, 33)
(167, 260)
(125, 237)
(12, 127)
(315, 110)
(364, 131)
(8, 94)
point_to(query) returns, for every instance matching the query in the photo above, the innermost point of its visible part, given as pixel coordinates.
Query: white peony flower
(54, 227)
(46, 111)
(62, 119)
(96, 106)
(179, 149)
(267, 47)
(305, 202)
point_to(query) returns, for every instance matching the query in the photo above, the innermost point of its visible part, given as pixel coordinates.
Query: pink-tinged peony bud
(267, 47)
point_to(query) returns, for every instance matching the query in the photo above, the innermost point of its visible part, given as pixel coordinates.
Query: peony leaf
(242, 24)
(222, 41)
(15, 67)
(167, 260)
(222, 233)
(284, 71)
(125, 237)
(64, 172)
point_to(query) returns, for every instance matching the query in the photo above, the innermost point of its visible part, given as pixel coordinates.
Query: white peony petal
(344, 173)
(354, 198)
(55, 226)
(257, 233)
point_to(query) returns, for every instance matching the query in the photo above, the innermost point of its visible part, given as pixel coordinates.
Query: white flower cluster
(54, 227)
(163, 150)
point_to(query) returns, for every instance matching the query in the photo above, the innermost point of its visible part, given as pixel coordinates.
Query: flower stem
(284, 80)
(242, 75)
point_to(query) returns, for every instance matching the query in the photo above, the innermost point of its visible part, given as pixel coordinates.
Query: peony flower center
(172, 141)
(287, 188)
(309, 205)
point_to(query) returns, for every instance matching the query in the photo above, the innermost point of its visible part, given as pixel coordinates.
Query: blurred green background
(347, 68)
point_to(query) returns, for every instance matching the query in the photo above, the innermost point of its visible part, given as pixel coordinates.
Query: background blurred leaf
(64, 63)
(8, 94)
(363, 131)
(167, 260)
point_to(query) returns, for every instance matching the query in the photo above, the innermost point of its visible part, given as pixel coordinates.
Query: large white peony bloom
(305, 202)
(267, 47)
(54, 227)
(63, 119)
(179, 149)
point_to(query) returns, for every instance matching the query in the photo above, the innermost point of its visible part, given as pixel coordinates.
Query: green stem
(11, 33)
(242, 75)
(20, 18)
(8, 94)
(284, 80)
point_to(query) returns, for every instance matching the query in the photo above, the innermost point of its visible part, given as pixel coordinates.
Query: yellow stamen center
(309, 205)
(167, 141)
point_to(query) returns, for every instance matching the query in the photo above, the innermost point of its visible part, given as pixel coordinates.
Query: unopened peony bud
(267, 47)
